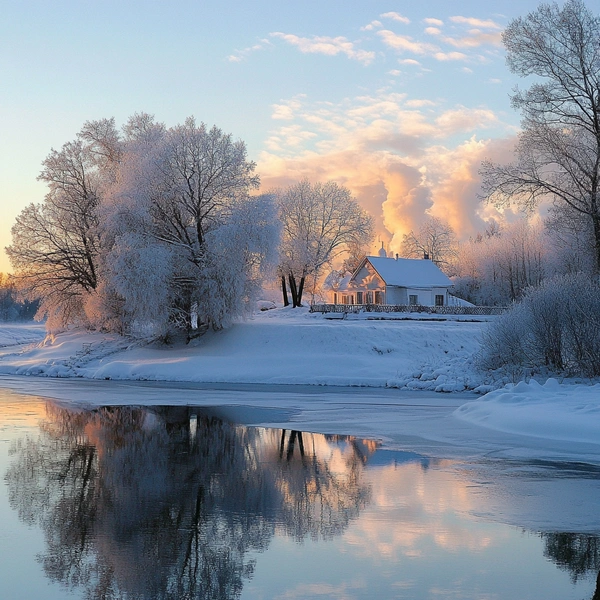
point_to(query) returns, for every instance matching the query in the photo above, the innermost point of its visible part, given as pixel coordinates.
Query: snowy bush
(556, 326)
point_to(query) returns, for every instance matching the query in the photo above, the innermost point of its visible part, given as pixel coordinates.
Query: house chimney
(396, 256)
(425, 256)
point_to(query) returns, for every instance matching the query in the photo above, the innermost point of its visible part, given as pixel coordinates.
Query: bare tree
(320, 222)
(558, 152)
(55, 244)
(434, 240)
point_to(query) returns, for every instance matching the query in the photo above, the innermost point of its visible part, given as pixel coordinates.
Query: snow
(409, 272)
(551, 411)
(293, 346)
(283, 346)
(13, 334)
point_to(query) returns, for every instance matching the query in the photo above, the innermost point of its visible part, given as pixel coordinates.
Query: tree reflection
(578, 553)
(168, 504)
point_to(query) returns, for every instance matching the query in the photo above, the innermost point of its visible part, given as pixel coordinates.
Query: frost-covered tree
(185, 228)
(320, 222)
(497, 267)
(56, 244)
(145, 228)
(558, 152)
(435, 240)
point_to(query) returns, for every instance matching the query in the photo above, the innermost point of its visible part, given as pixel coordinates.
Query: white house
(404, 281)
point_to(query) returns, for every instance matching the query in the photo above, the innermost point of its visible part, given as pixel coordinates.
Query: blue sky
(399, 101)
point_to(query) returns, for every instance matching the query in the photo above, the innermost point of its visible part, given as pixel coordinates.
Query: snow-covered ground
(292, 346)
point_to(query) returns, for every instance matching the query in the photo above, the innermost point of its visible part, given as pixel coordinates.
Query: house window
(359, 298)
(413, 299)
(439, 300)
(345, 299)
(369, 297)
(378, 297)
(334, 297)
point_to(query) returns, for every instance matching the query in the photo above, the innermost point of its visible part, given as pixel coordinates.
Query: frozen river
(147, 490)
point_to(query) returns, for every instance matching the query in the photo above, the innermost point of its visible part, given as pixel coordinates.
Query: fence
(405, 308)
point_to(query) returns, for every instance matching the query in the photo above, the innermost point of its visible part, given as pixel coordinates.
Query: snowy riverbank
(286, 346)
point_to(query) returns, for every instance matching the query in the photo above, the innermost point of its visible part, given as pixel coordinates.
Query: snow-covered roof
(408, 272)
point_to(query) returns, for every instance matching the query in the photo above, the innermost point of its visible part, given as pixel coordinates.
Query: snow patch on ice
(550, 411)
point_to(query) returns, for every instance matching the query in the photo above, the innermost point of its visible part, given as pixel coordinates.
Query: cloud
(489, 24)
(372, 25)
(434, 22)
(462, 119)
(287, 109)
(446, 56)
(409, 61)
(326, 45)
(419, 103)
(474, 39)
(395, 17)
(397, 156)
(404, 43)
(241, 55)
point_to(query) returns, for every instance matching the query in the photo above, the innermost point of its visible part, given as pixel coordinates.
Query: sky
(398, 101)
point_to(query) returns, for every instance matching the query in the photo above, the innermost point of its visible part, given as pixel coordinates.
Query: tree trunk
(286, 301)
(596, 223)
(300, 290)
(293, 290)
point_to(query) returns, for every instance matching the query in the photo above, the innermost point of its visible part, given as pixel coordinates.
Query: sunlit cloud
(399, 158)
(372, 25)
(419, 103)
(474, 39)
(395, 16)
(466, 120)
(446, 56)
(404, 43)
(409, 61)
(329, 46)
(241, 55)
(287, 109)
(434, 22)
(486, 24)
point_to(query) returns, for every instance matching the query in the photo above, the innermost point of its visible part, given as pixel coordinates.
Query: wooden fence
(405, 308)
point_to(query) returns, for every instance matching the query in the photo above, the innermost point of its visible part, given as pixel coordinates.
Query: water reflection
(176, 503)
(167, 503)
(579, 554)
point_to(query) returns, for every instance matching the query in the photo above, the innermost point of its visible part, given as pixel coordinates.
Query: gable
(367, 277)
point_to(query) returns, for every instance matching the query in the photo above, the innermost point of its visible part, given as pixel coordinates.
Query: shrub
(556, 325)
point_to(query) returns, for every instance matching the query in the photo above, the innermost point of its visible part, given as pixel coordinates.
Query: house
(400, 281)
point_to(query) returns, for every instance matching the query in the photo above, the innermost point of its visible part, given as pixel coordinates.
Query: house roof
(407, 272)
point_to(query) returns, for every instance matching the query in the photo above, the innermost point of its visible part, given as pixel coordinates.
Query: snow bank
(15, 334)
(279, 346)
(291, 346)
(550, 411)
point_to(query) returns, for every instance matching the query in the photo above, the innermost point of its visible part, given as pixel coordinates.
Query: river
(147, 490)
